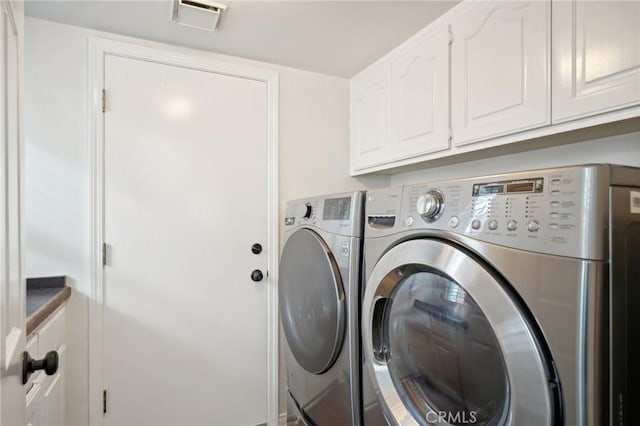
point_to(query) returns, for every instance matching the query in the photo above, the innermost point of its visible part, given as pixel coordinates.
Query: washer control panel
(555, 211)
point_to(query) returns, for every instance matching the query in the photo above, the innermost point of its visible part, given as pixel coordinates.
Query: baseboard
(282, 419)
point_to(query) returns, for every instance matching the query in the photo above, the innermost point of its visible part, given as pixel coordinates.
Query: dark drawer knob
(29, 365)
(256, 248)
(257, 275)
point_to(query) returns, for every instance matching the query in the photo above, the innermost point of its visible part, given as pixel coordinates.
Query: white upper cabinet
(370, 116)
(420, 96)
(596, 57)
(491, 73)
(500, 62)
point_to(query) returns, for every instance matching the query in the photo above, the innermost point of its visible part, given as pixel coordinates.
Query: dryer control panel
(339, 214)
(560, 211)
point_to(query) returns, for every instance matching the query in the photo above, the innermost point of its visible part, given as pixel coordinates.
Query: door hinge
(450, 134)
(104, 100)
(104, 401)
(104, 254)
(450, 36)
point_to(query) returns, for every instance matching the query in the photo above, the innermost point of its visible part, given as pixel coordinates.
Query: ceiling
(332, 37)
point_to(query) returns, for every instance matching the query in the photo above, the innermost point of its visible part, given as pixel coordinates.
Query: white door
(371, 116)
(500, 69)
(420, 96)
(12, 284)
(596, 57)
(185, 327)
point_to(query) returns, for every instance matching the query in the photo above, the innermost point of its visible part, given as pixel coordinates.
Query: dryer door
(311, 301)
(447, 343)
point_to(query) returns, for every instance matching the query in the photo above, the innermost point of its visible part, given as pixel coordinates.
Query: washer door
(445, 343)
(311, 301)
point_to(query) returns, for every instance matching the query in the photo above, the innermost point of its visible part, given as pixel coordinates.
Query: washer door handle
(381, 351)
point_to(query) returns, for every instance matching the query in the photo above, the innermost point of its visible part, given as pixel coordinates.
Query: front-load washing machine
(319, 295)
(504, 300)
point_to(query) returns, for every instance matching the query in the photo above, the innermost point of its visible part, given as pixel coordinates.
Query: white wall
(314, 159)
(620, 149)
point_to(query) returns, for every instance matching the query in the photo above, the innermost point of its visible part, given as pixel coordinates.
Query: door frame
(99, 48)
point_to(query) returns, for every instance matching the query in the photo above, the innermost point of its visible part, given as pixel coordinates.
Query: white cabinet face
(45, 398)
(500, 69)
(34, 415)
(370, 117)
(54, 394)
(420, 96)
(596, 57)
(35, 419)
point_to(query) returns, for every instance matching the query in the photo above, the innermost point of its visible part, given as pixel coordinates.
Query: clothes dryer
(504, 300)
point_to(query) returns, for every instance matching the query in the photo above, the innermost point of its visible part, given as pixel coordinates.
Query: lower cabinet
(45, 395)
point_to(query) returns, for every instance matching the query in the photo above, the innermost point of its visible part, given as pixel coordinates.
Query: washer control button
(554, 215)
(554, 204)
(555, 193)
(476, 224)
(454, 221)
(493, 224)
(554, 226)
(512, 225)
(533, 226)
(555, 182)
(408, 221)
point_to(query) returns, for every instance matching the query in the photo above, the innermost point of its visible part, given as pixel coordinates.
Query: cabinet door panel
(370, 117)
(500, 69)
(54, 393)
(596, 57)
(420, 101)
(34, 414)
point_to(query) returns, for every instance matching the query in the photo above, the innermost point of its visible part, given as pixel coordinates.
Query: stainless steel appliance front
(497, 311)
(319, 292)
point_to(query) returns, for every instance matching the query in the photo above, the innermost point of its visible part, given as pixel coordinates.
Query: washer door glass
(442, 353)
(311, 301)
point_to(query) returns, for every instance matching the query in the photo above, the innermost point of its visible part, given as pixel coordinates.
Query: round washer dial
(430, 205)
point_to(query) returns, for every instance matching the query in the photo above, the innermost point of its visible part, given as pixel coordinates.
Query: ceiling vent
(203, 14)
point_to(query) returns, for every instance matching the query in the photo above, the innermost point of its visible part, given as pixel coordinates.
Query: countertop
(44, 296)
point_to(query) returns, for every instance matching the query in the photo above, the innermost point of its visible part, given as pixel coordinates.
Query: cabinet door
(54, 394)
(370, 117)
(596, 57)
(420, 96)
(500, 69)
(34, 413)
